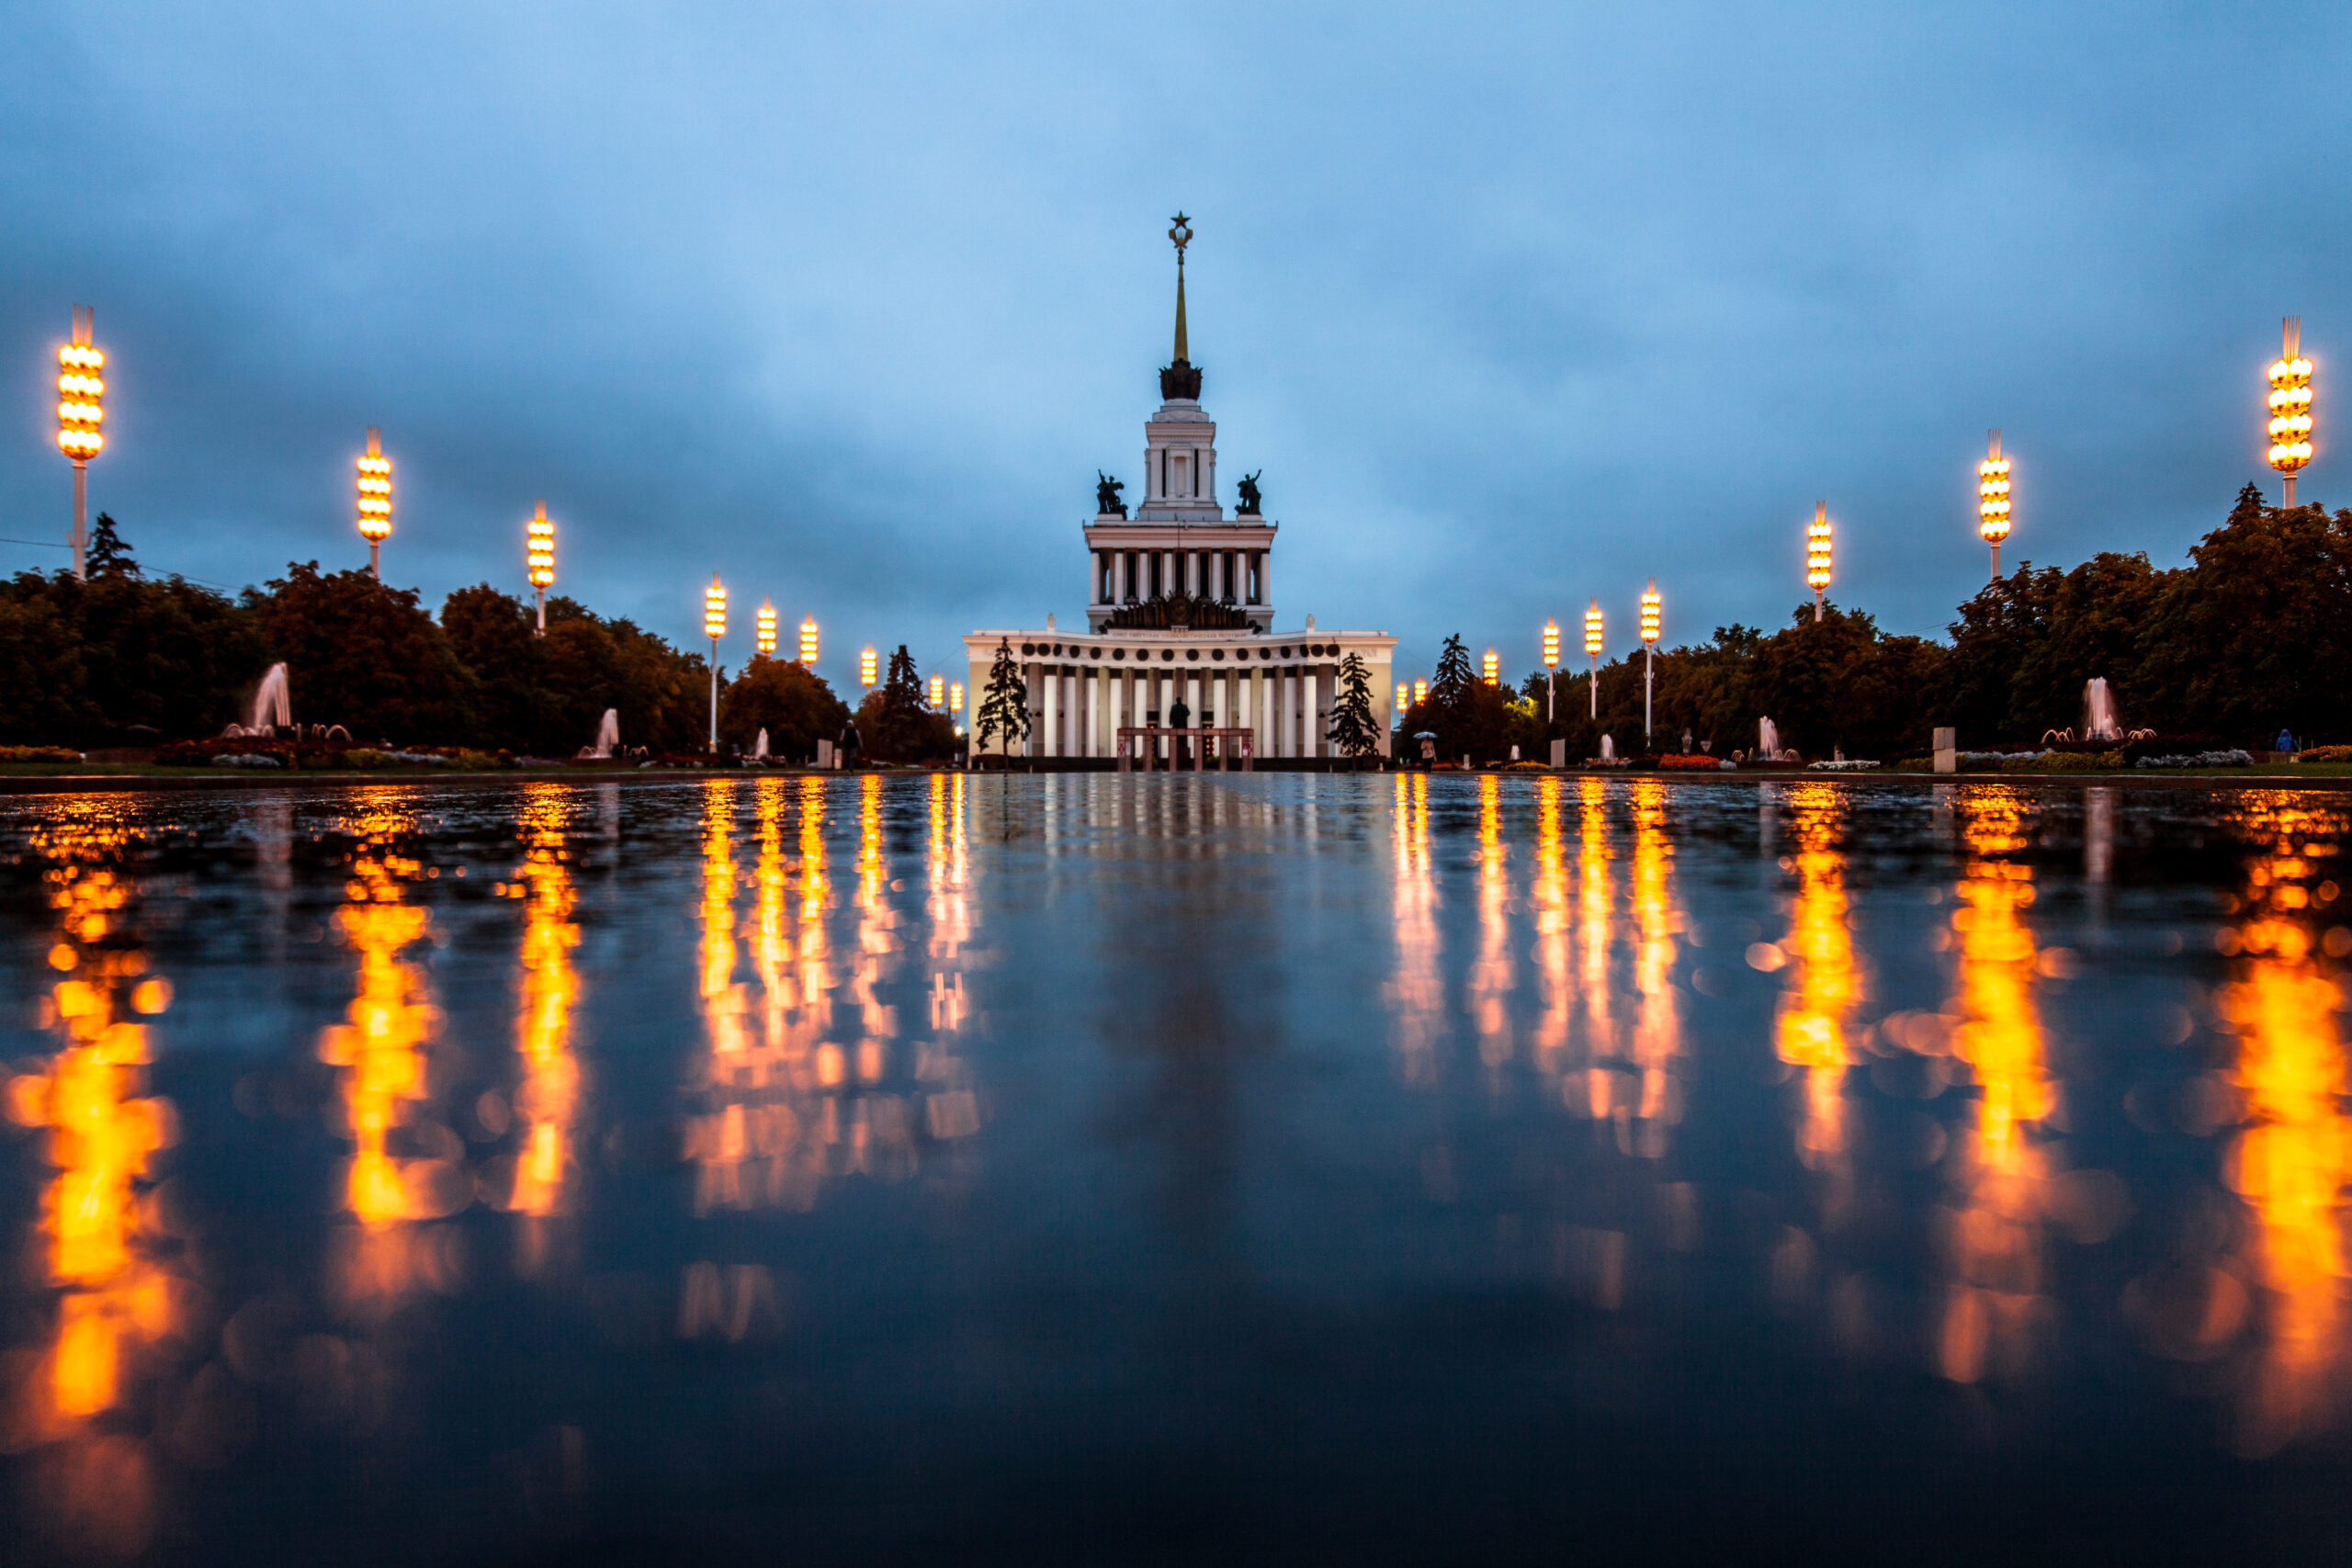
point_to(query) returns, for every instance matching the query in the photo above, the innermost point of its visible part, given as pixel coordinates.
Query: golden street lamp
(1650, 606)
(542, 561)
(1992, 498)
(955, 697)
(1404, 700)
(938, 692)
(1592, 640)
(866, 668)
(1550, 668)
(766, 629)
(714, 626)
(2291, 406)
(1492, 666)
(808, 643)
(1817, 555)
(81, 416)
(375, 501)
(1420, 693)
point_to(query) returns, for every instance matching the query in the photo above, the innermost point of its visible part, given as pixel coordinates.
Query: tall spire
(1179, 380)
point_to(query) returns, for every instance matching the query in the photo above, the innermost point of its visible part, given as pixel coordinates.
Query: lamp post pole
(1551, 672)
(81, 415)
(1593, 640)
(1817, 556)
(714, 625)
(1650, 604)
(375, 501)
(2290, 408)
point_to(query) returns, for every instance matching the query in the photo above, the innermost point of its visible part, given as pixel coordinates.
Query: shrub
(41, 754)
(2324, 754)
(2065, 762)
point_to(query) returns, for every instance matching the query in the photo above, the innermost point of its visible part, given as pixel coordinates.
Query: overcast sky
(1512, 306)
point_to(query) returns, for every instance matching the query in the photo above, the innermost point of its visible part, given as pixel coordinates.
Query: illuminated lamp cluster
(2291, 406)
(866, 666)
(808, 642)
(540, 555)
(1816, 554)
(765, 626)
(714, 610)
(81, 408)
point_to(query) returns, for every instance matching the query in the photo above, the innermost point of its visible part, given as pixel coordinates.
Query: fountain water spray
(272, 707)
(2099, 722)
(609, 735)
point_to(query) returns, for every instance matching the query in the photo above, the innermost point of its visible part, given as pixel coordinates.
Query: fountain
(760, 747)
(2099, 722)
(273, 706)
(608, 736)
(1768, 741)
(1608, 749)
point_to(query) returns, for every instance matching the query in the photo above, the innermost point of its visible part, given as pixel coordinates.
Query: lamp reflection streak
(102, 1129)
(1595, 905)
(1658, 1025)
(550, 1086)
(1550, 891)
(1810, 1032)
(1490, 973)
(2294, 1155)
(1416, 1000)
(1995, 1236)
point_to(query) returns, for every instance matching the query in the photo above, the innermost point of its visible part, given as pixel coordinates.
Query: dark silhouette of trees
(88, 661)
(1354, 731)
(795, 705)
(1004, 706)
(363, 655)
(107, 555)
(895, 722)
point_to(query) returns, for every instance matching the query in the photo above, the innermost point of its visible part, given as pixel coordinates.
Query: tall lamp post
(542, 561)
(1491, 666)
(81, 413)
(375, 501)
(714, 626)
(809, 644)
(1992, 498)
(938, 693)
(765, 626)
(1817, 556)
(2291, 407)
(865, 665)
(1593, 640)
(1650, 604)
(1551, 670)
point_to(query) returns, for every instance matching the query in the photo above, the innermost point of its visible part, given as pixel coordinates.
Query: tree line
(123, 658)
(2246, 640)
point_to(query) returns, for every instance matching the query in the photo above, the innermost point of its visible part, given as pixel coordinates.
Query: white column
(1053, 706)
(1091, 683)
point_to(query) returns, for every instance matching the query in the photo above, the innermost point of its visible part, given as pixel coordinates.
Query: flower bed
(2230, 758)
(1691, 762)
(2324, 754)
(38, 754)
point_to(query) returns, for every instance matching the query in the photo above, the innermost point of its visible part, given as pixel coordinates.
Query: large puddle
(1117, 1169)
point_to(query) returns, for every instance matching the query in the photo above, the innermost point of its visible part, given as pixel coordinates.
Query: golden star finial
(1181, 235)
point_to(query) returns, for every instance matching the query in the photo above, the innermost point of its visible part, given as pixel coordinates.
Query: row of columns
(1076, 711)
(1210, 575)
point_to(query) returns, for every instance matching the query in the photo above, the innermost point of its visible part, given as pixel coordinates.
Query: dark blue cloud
(1512, 307)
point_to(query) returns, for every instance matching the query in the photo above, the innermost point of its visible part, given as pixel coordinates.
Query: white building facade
(1179, 559)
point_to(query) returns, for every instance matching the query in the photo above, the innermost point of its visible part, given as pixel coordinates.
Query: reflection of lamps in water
(865, 665)
(714, 626)
(2291, 407)
(375, 500)
(765, 626)
(1817, 556)
(1650, 606)
(542, 561)
(81, 412)
(1992, 498)
(808, 643)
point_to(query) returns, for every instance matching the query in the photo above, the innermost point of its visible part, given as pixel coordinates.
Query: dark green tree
(363, 655)
(1354, 731)
(795, 705)
(495, 635)
(107, 554)
(896, 722)
(1004, 706)
(88, 661)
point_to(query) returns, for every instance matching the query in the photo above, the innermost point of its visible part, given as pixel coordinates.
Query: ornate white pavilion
(1180, 607)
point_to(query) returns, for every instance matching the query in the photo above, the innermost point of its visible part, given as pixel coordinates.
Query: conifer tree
(110, 556)
(1354, 729)
(1005, 707)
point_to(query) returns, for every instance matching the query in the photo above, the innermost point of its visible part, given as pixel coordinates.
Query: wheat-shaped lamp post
(1593, 640)
(714, 626)
(541, 556)
(2291, 407)
(1650, 605)
(375, 501)
(81, 416)
(1992, 498)
(1817, 556)
(764, 624)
